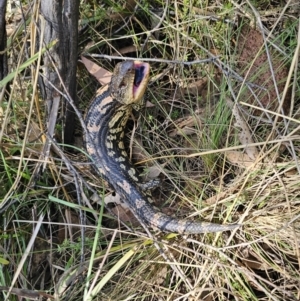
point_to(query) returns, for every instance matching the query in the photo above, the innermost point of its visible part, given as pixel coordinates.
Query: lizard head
(129, 82)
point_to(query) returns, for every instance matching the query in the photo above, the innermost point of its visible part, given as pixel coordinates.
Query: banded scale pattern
(105, 121)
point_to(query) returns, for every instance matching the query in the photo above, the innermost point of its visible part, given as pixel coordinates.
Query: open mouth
(140, 78)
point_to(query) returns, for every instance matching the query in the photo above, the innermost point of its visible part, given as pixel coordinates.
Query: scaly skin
(105, 121)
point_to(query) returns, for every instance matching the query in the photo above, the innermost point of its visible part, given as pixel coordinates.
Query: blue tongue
(139, 75)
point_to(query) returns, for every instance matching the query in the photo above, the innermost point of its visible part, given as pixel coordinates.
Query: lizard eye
(122, 84)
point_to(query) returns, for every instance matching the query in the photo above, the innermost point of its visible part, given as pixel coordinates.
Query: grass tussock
(220, 129)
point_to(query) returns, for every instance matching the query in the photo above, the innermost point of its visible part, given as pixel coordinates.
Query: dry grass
(224, 153)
